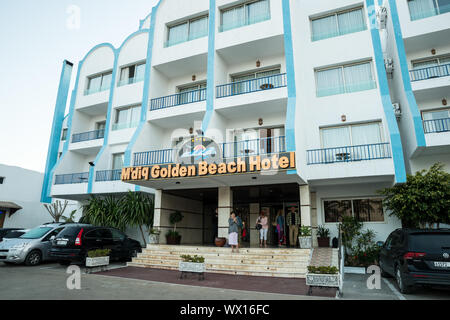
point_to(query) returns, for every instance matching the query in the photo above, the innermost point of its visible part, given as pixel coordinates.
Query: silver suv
(32, 247)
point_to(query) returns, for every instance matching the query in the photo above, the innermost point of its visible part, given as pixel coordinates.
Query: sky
(36, 36)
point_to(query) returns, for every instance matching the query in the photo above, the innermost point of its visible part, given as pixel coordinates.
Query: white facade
(295, 76)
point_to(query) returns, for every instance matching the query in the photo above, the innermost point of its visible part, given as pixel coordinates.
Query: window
(64, 134)
(260, 141)
(242, 86)
(100, 125)
(430, 68)
(420, 9)
(345, 79)
(127, 118)
(352, 135)
(192, 93)
(338, 24)
(365, 210)
(60, 155)
(99, 83)
(2, 179)
(132, 74)
(436, 120)
(187, 31)
(117, 161)
(246, 14)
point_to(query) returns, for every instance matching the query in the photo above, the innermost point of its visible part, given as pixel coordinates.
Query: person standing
(264, 222)
(239, 222)
(233, 230)
(293, 222)
(280, 227)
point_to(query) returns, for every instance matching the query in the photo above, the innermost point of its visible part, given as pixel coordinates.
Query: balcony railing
(437, 125)
(348, 88)
(192, 36)
(230, 150)
(418, 12)
(241, 22)
(108, 175)
(154, 157)
(128, 81)
(256, 147)
(337, 33)
(430, 72)
(87, 136)
(349, 153)
(122, 126)
(178, 99)
(253, 85)
(73, 178)
(96, 90)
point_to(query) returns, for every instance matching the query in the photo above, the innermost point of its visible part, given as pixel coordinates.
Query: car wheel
(34, 258)
(401, 283)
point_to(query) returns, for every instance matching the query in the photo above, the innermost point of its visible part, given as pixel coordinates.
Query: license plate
(439, 264)
(61, 243)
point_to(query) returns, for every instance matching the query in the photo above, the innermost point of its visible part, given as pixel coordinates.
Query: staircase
(286, 263)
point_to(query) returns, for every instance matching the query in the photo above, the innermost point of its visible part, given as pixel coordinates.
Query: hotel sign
(250, 164)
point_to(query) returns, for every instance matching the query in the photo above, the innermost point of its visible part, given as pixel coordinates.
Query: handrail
(440, 71)
(251, 85)
(349, 153)
(436, 125)
(87, 136)
(178, 99)
(108, 175)
(154, 157)
(73, 178)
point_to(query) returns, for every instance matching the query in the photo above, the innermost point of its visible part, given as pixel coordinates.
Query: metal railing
(108, 175)
(430, 72)
(178, 99)
(73, 178)
(349, 153)
(437, 125)
(254, 147)
(87, 136)
(154, 157)
(252, 85)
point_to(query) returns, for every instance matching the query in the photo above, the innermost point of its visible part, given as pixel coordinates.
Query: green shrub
(99, 253)
(323, 232)
(194, 259)
(305, 231)
(323, 270)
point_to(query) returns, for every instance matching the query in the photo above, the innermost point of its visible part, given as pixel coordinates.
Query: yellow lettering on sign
(255, 163)
(155, 172)
(126, 174)
(145, 173)
(222, 168)
(203, 168)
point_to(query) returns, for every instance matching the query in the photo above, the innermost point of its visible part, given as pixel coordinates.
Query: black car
(73, 243)
(5, 231)
(417, 257)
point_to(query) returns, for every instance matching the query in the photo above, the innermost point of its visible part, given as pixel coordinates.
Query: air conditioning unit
(389, 64)
(382, 17)
(397, 110)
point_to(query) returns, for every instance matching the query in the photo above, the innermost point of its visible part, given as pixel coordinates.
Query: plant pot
(97, 262)
(324, 242)
(153, 239)
(192, 267)
(322, 280)
(220, 242)
(305, 242)
(173, 239)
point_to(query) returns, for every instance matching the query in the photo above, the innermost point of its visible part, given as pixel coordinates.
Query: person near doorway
(245, 234)
(293, 222)
(264, 222)
(280, 228)
(233, 230)
(239, 220)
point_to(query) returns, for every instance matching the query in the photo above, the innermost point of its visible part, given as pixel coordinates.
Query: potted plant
(153, 237)
(172, 236)
(323, 237)
(97, 258)
(220, 242)
(192, 264)
(305, 237)
(323, 277)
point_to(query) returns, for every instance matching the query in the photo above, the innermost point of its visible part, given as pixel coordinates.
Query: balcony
(238, 23)
(88, 92)
(347, 88)
(154, 157)
(430, 72)
(88, 136)
(437, 125)
(123, 126)
(178, 99)
(253, 85)
(129, 81)
(192, 36)
(349, 154)
(74, 178)
(108, 175)
(423, 10)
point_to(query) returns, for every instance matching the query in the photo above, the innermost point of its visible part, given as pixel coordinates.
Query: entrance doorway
(273, 200)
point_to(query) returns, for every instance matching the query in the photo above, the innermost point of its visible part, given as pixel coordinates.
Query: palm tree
(138, 210)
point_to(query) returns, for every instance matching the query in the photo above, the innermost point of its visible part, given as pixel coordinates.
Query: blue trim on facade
(396, 143)
(211, 66)
(417, 119)
(55, 136)
(290, 71)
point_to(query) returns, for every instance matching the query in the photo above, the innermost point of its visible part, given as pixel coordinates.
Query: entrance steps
(286, 263)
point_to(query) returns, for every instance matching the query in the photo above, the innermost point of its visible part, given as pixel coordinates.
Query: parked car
(4, 231)
(417, 257)
(32, 247)
(14, 234)
(73, 244)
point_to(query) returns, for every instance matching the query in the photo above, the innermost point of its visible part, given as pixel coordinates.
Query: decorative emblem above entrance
(199, 149)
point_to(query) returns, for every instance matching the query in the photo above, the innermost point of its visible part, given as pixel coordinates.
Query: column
(305, 205)
(314, 222)
(225, 206)
(157, 215)
(254, 234)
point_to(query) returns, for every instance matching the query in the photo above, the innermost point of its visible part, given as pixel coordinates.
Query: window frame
(101, 76)
(245, 5)
(113, 159)
(125, 82)
(2, 180)
(437, 7)
(350, 125)
(336, 14)
(351, 199)
(438, 59)
(129, 116)
(187, 21)
(64, 134)
(253, 73)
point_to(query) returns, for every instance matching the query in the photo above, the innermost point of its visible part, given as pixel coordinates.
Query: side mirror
(52, 238)
(380, 244)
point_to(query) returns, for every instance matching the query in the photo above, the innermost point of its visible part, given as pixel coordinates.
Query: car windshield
(36, 233)
(13, 234)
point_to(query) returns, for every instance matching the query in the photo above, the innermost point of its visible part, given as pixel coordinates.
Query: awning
(10, 205)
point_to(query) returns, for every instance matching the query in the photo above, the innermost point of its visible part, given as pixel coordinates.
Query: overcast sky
(35, 38)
